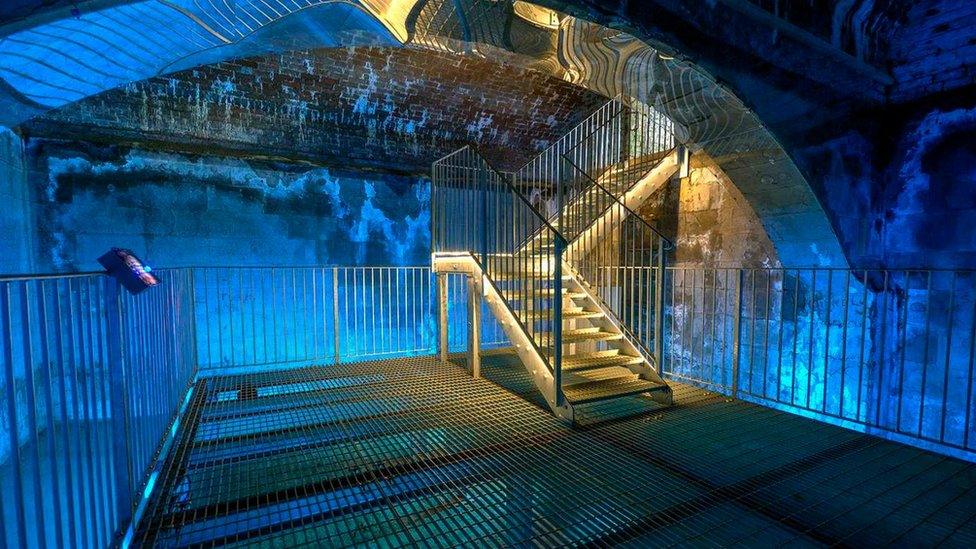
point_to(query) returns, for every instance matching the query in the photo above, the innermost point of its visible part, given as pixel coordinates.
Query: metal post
(557, 321)
(442, 316)
(484, 219)
(474, 326)
(737, 332)
(560, 187)
(335, 315)
(120, 428)
(659, 306)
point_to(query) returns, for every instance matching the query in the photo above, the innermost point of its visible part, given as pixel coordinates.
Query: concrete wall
(901, 187)
(176, 209)
(16, 243)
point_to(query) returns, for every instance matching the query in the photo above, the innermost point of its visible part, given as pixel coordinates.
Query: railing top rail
(822, 269)
(669, 244)
(48, 276)
(453, 153)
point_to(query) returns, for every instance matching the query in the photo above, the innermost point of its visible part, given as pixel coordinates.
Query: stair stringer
(631, 200)
(647, 369)
(522, 341)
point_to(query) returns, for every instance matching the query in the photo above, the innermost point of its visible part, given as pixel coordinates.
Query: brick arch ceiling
(64, 57)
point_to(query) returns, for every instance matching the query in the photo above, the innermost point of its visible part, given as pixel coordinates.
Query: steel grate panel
(413, 452)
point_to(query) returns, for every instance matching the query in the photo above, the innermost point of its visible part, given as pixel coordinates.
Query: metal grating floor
(414, 452)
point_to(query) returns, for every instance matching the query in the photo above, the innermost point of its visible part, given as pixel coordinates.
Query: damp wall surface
(76, 200)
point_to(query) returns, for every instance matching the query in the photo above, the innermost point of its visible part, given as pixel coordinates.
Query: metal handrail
(521, 197)
(668, 241)
(543, 152)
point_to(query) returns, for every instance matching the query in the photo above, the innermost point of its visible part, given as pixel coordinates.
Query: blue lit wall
(181, 210)
(901, 187)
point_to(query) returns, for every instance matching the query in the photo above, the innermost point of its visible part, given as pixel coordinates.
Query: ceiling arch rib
(65, 60)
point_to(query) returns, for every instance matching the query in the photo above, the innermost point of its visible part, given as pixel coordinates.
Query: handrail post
(659, 307)
(557, 321)
(737, 332)
(484, 218)
(474, 326)
(442, 342)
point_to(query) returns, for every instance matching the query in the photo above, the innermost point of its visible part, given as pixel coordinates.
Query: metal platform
(415, 452)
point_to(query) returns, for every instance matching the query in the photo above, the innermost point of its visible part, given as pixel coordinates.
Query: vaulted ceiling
(739, 77)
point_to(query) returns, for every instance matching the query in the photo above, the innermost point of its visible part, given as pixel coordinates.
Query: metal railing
(613, 249)
(93, 378)
(91, 381)
(603, 166)
(541, 176)
(889, 352)
(476, 209)
(262, 317)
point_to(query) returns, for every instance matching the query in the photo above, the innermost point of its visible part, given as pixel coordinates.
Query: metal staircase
(577, 291)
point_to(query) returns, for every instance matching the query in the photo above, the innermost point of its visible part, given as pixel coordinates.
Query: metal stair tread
(533, 275)
(541, 292)
(605, 389)
(591, 361)
(577, 336)
(567, 314)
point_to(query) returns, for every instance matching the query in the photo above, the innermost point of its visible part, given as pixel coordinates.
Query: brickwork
(379, 108)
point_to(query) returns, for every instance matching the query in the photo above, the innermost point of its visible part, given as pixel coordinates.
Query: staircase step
(568, 314)
(536, 293)
(594, 361)
(605, 389)
(585, 334)
(526, 275)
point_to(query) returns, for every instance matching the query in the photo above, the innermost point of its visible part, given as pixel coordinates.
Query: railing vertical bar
(31, 407)
(826, 352)
(72, 530)
(336, 330)
(862, 342)
(884, 340)
(737, 333)
(811, 340)
(372, 308)
(925, 359)
(901, 324)
(84, 343)
(843, 343)
(968, 412)
(948, 354)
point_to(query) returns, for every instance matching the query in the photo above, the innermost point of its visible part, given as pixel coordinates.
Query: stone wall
(711, 223)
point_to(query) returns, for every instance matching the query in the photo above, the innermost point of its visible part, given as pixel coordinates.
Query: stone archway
(62, 60)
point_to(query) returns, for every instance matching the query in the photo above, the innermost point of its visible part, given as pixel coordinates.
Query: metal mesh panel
(414, 452)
